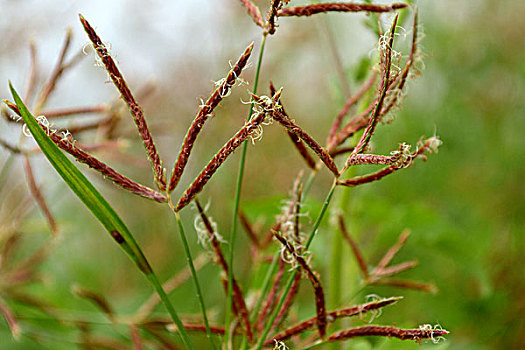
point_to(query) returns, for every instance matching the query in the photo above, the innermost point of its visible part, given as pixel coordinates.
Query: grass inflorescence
(266, 322)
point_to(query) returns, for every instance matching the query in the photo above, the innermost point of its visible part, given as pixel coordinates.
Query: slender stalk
(237, 201)
(290, 281)
(194, 275)
(336, 263)
(162, 294)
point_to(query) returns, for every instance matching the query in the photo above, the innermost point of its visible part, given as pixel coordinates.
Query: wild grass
(265, 322)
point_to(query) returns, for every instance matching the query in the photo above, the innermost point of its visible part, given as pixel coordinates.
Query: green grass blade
(98, 206)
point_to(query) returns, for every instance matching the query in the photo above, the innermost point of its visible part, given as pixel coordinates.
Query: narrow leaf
(98, 206)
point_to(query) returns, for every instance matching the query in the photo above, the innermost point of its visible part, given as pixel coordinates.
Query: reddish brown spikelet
(245, 222)
(296, 140)
(11, 320)
(135, 337)
(237, 293)
(134, 107)
(391, 270)
(429, 145)
(322, 153)
(348, 104)
(106, 170)
(254, 12)
(384, 331)
(376, 159)
(202, 328)
(203, 114)
(82, 156)
(316, 284)
(355, 249)
(393, 250)
(272, 14)
(422, 286)
(401, 80)
(349, 129)
(332, 316)
(367, 135)
(219, 158)
(338, 7)
(35, 191)
(95, 298)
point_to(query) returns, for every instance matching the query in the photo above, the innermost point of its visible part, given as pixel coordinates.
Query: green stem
(289, 283)
(265, 287)
(240, 175)
(336, 264)
(162, 294)
(194, 277)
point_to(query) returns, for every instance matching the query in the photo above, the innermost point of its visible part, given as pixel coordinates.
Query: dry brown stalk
(316, 284)
(383, 331)
(331, 317)
(219, 158)
(237, 292)
(37, 194)
(55, 75)
(203, 114)
(338, 7)
(65, 112)
(33, 68)
(348, 104)
(322, 153)
(254, 12)
(82, 156)
(355, 249)
(134, 107)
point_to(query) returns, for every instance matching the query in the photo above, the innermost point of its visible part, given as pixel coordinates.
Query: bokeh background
(464, 206)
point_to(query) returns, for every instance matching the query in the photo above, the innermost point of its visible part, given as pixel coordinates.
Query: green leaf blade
(98, 206)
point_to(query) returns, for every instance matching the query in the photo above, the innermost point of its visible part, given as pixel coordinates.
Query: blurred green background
(464, 206)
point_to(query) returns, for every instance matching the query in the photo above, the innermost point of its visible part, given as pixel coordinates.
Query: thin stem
(290, 281)
(238, 188)
(265, 287)
(336, 263)
(194, 275)
(164, 297)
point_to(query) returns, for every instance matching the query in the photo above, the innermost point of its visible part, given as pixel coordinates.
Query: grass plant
(281, 254)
